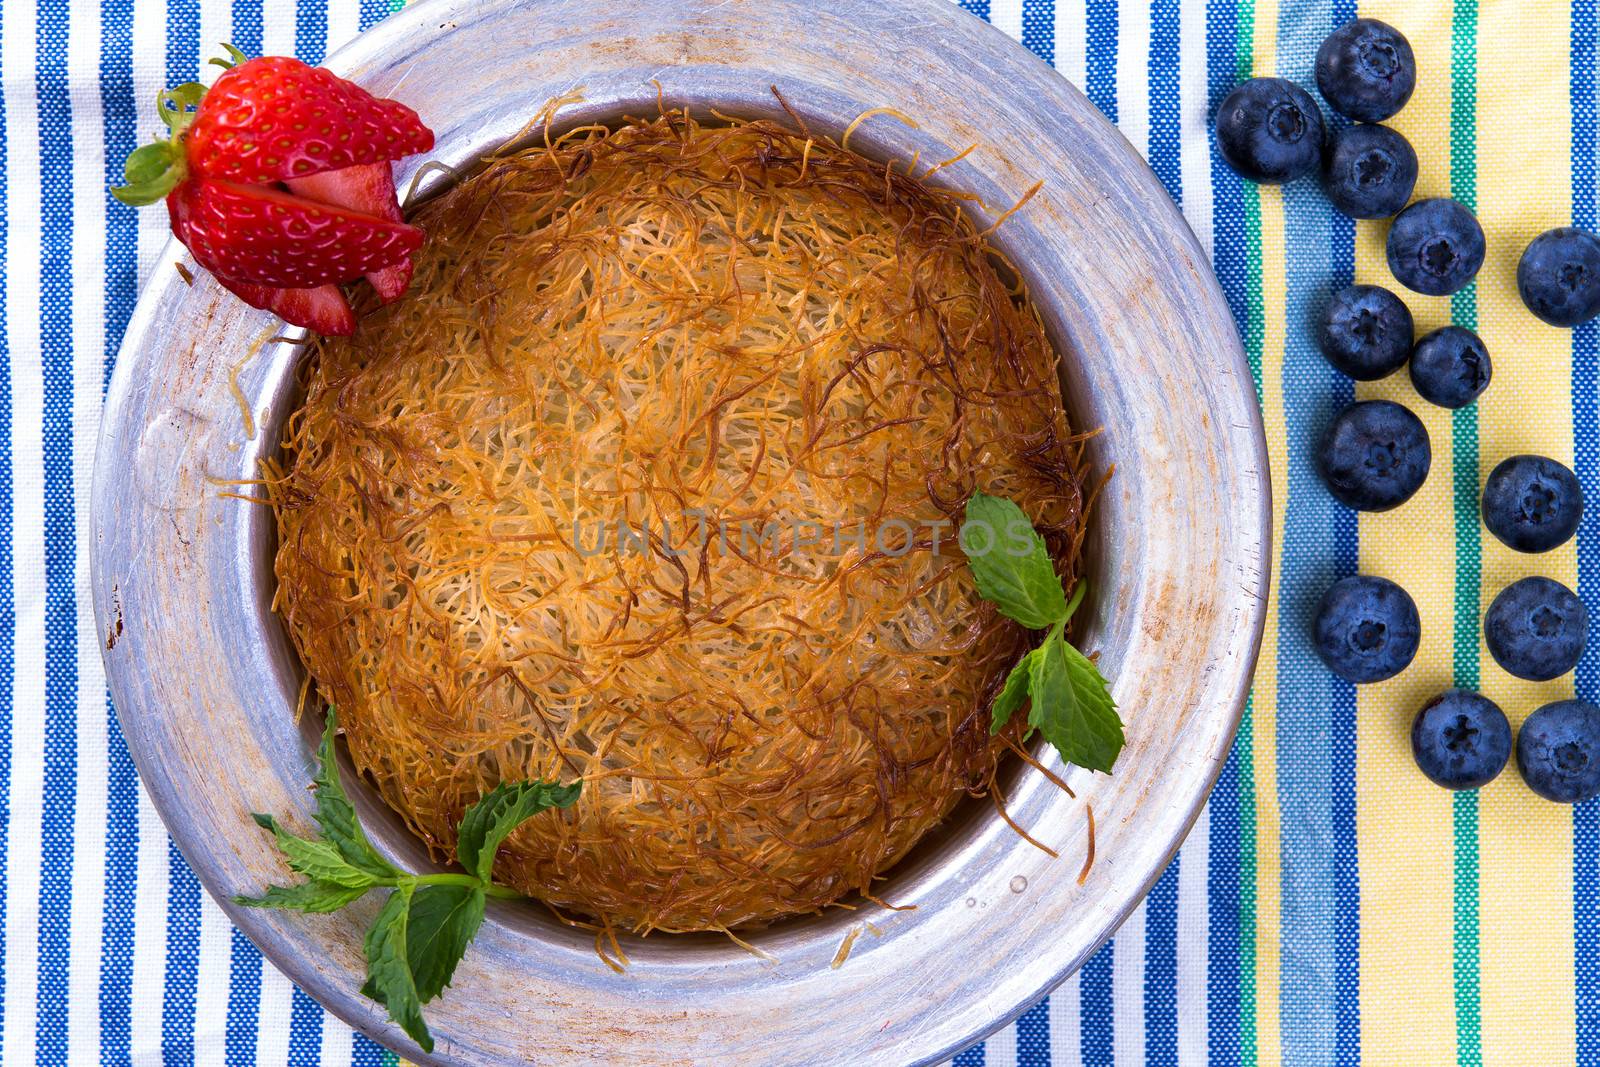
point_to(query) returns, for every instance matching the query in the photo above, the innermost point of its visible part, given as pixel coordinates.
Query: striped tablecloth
(1330, 907)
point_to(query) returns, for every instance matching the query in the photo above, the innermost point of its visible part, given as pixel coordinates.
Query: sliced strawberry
(323, 309)
(260, 234)
(275, 118)
(367, 188)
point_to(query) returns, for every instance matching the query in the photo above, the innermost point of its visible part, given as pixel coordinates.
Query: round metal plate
(205, 683)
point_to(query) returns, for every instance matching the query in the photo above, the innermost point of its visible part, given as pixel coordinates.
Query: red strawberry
(254, 233)
(369, 189)
(267, 122)
(275, 118)
(323, 308)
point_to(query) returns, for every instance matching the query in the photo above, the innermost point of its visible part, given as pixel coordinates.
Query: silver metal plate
(205, 683)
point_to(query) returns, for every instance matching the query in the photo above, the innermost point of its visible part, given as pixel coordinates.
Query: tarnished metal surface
(205, 683)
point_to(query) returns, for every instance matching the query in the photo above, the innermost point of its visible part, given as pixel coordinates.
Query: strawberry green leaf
(315, 897)
(1071, 705)
(500, 811)
(389, 978)
(444, 919)
(177, 105)
(1010, 563)
(1012, 693)
(151, 171)
(337, 816)
(235, 57)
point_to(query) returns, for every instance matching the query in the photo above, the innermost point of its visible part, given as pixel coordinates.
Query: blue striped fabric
(1316, 727)
(112, 953)
(1585, 90)
(60, 755)
(1100, 77)
(1097, 1026)
(1229, 798)
(119, 111)
(8, 608)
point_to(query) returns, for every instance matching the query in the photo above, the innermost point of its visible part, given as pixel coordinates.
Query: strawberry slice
(323, 309)
(369, 189)
(256, 233)
(274, 118)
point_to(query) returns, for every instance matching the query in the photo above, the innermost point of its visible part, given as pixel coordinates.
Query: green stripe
(1247, 887)
(1256, 315)
(389, 1059)
(1254, 340)
(1469, 549)
(1247, 41)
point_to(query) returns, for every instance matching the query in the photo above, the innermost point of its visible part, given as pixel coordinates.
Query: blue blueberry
(1369, 171)
(1532, 503)
(1461, 740)
(1270, 131)
(1366, 629)
(1536, 629)
(1435, 247)
(1558, 751)
(1450, 367)
(1559, 276)
(1366, 332)
(1375, 455)
(1366, 70)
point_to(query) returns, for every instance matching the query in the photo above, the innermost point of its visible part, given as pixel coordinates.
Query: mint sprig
(1069, 701)
(426, 924)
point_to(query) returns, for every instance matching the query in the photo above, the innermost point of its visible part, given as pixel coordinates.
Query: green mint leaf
(316, 897)
(444, 919)
(1010, 563)
(337, 816)
(318, 860)
(500, 811)
(389, 978)
(1072, 705)
(427, 923)
(1012, 693)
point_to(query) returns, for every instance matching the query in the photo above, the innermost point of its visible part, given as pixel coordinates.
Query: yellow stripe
(1269, 897)
(1524, 187)
(1268, 817)
(1403, 821)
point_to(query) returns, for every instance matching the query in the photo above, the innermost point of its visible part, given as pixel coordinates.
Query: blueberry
(1369, 171)
(1536, 629)
(1365, 70)
(1558, 751)
(1375, 455)
(1532, 503)
(1270, 131)
(1559, 276)
(1461, 740)
(1366, 332)
(1435, 247)
(1450, 367)
(1366, 629)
